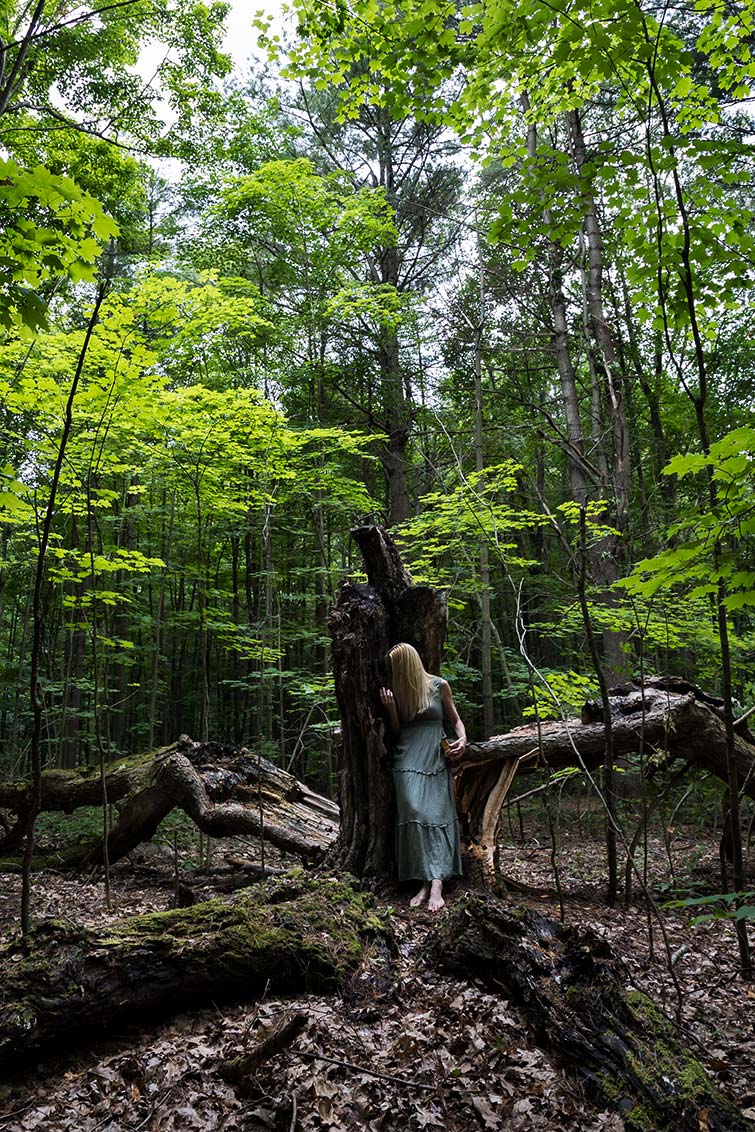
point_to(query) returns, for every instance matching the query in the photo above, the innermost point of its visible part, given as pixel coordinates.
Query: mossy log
(226, 791)
(630, 1057)
(298, 934)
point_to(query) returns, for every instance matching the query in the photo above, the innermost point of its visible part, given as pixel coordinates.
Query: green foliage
(712, 546)
(565, 695)
(96, 52)
(453, 520)
(49, 228)
(723, 905)
(240, 395)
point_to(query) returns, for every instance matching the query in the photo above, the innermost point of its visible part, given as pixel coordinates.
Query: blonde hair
(410, 682)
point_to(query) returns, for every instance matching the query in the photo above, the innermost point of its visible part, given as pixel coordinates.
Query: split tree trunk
(366, 621)
(669, 715)
(571, 985)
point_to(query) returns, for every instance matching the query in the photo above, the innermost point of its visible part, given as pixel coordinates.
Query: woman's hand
(456, 749)
(457, 746)
(388, 700)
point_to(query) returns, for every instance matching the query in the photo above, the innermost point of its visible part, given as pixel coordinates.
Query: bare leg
(436, 901)
(421, 896)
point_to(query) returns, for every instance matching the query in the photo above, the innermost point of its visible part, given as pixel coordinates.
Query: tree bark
(668, 714)
(218, 787)
(366, 621)
(560, 338)
(308, 935)
(630, 1057)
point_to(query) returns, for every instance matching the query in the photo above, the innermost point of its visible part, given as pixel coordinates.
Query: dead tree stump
(366, 621)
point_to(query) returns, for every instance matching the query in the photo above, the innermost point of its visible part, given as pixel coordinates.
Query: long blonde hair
(410, 683)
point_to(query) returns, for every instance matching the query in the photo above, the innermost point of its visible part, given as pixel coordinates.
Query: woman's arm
(459, 745)
(389, 703)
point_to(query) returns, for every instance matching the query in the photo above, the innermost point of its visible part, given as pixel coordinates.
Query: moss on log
(571, 986)
(298, 933)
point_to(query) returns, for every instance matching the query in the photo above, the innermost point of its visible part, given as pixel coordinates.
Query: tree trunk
(307, 935)
(365, 623)
(628, 1055)
(486, 667)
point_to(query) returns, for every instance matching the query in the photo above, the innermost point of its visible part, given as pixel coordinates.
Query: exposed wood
(629, 1056)
(491, 814)
(298, 934)
(218, 787)
(671, 717)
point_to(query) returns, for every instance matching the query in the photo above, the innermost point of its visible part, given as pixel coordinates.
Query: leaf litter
(429, 1052)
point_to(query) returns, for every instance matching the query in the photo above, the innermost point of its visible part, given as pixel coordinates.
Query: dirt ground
(433, 1052)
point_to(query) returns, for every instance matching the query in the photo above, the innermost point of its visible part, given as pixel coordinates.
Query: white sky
(241, 37)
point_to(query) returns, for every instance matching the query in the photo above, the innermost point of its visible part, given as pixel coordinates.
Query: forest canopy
(466, 270)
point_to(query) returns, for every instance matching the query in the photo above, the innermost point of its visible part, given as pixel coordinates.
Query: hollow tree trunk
(629, 1056)
(366, 621)
(75, 982)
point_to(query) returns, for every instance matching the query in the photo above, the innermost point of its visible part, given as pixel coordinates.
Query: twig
(17, 1111)
(745, 717)
(362, 1069)
(538, 789)
(273, 1039)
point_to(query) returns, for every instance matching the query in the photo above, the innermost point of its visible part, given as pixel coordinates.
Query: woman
(427, 827)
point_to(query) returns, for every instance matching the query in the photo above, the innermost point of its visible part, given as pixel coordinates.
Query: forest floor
(432, 1052)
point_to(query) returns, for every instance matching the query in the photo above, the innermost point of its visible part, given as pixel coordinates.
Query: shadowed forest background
(479, 274)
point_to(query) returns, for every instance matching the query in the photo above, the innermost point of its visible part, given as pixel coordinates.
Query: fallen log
(666, 717)
(629, 1056)
(226, 792)
(70, 982)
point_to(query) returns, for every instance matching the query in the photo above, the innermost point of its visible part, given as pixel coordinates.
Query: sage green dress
(427, 828)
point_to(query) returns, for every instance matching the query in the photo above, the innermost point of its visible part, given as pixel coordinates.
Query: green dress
(427, 828)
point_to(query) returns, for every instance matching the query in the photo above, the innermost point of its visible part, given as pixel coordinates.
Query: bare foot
(421, 896)
(436, 901)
